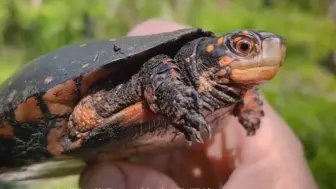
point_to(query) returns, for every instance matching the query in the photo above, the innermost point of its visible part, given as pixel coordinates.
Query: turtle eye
(244, 46)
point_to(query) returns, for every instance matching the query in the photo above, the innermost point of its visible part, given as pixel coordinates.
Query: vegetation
(304, 93)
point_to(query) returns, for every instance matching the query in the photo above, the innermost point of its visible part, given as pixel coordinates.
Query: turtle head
(244, 57)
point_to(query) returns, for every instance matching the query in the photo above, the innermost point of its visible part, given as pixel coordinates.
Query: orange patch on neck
(225, 60)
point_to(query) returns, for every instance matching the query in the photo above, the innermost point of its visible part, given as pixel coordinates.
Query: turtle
(113, 96)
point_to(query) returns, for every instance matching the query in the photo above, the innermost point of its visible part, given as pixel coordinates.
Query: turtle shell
(73, 61)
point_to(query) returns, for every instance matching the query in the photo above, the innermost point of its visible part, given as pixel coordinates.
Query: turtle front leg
(167, 94)
(250, 111)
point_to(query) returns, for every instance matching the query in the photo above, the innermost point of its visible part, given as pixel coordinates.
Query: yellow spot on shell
(85, 65)
(220, 41)
(82, 45)
(48, 79)
(210, 48)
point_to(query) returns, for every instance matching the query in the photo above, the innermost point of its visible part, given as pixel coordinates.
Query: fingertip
(102, 175)
(122, 176)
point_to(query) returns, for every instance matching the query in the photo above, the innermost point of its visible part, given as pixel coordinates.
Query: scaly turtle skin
(81, 99)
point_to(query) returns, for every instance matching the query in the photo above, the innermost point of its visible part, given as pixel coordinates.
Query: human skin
(272, 159)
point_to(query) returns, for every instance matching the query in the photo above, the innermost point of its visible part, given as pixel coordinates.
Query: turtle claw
(209, 131)
(207, 106)
(198, 136)
(190, 131)
(199, 139)
(188, 142)
(250, 133)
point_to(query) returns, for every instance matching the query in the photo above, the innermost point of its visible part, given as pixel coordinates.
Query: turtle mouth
(254, 75)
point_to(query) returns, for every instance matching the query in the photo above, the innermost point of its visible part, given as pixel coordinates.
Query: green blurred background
(304, 92)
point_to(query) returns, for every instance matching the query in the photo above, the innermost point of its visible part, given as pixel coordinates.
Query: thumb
(123, 176)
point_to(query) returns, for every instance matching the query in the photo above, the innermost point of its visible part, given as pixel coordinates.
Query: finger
(190, 167)
(273, 158)
(207, 165)
(123, 176)
(155, 26)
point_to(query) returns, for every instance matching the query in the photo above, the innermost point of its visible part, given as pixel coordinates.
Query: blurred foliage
(303, 93)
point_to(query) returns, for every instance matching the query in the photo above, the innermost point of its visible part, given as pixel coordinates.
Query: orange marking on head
(62, 98)
(6, 130)
(220, 41)
(92, 77)
(210, 48)
(85, 117)
(54, 138)
(48, 80)
(225, 60)
(29, 111)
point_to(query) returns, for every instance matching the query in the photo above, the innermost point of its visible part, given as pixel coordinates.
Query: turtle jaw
(255, 75)
(262, 67)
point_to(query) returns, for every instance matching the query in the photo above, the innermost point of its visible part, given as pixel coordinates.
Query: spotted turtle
(114, 96)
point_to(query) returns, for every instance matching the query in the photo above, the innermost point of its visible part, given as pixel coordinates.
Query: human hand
(271, 159)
